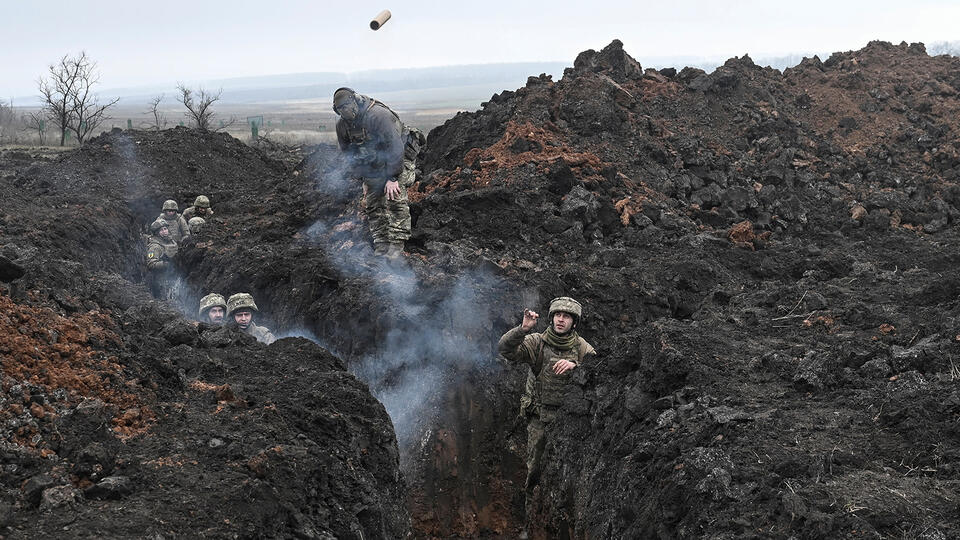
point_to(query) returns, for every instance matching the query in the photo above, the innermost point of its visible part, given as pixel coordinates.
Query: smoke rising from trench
(441, 331)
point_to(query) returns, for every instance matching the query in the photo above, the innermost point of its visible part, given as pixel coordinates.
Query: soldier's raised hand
(529, 320)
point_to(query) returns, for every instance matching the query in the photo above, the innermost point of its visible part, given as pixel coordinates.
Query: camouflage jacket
(260, 332)
(178, 228)
(374, 139)
(546, 387)
(160, 253)
(191, 211)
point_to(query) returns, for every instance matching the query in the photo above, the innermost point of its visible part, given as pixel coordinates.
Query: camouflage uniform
(377, 143)
(179, 229)
(201, 202)
(160, 255)
(240, 301)
(545, 390)
(260, 332)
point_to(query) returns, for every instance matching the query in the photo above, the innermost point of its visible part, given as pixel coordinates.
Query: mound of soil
(765, 262)
(121, 417)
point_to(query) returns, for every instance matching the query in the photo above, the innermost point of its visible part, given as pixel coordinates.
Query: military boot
(394, 251)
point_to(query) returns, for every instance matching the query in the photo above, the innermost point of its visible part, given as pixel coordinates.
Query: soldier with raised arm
(553, 356)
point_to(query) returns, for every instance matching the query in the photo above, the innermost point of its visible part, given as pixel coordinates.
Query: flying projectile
(380, 19)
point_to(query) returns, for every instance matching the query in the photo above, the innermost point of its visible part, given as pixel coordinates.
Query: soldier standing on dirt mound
(201, 208)
(552, 356)
(240, 308)
(161, 250)
(213, 307)
(382, 152)
(179, 230)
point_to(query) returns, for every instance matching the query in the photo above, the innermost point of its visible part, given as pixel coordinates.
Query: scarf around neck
(561, 342)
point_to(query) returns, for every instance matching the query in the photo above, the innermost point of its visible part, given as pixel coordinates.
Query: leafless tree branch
(153, 108)
(68, 99)
(199, 105)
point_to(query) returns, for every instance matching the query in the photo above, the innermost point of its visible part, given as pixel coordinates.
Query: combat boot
(394, 251)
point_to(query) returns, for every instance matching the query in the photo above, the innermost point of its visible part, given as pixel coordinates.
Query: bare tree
(68, 101)
(36, 121)
(153, 108)
(199, 105)
(7, 118)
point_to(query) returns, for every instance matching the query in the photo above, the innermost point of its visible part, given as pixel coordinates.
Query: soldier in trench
(213, 308)
(240, 310)
(161, 251)
(201, 209)
(553, 356)
(382, 152)
(179, 230)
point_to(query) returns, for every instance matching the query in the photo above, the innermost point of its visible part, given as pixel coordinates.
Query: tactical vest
(546, 387)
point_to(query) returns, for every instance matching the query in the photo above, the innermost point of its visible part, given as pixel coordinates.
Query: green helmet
(196, 224)
(211, 300)
(202, 201)
(170, 204)
(157, 225)
(566, 305)
(239, 301)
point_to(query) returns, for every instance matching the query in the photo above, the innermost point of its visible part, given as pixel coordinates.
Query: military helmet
(239, 301)
(170, 204)
(341, 96)
(202, 201)
(567, 305)
(211, 300)
(196, 224)
(157, 225)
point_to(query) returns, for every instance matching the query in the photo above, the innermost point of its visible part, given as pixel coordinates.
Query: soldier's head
(160, 228)
(565, 313)
(201, 205)
(212, 308)
(346, 103)
(196, 225)
(170, 209)
(240, 307)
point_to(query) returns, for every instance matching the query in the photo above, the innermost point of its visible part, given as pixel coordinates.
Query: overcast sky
(162, 42)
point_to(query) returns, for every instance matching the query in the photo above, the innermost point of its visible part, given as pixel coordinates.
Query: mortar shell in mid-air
(380, 19)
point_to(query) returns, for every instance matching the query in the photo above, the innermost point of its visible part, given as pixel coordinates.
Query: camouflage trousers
(536, 443)
(389, 221)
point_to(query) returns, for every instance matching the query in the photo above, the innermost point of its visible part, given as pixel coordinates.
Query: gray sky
(161, 42)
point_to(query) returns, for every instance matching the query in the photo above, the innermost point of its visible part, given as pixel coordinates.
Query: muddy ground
(766, 262)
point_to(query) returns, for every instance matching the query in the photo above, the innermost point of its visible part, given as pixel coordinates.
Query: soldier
(240, 308)
(201, 208)
(179, 230)
(382, 151)
(552, 356)
(161, 250)
(212, 308)
(196, 225)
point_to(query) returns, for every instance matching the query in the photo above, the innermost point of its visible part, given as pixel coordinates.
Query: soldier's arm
(517, 345)
(155, 258)
(184, 229)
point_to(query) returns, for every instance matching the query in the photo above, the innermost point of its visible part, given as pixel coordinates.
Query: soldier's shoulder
(585, 347)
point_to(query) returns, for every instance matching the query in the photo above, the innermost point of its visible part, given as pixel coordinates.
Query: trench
(454, 406)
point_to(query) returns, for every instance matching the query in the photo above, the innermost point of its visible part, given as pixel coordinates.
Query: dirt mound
(763, 258)
(121, 417)
(764, 262)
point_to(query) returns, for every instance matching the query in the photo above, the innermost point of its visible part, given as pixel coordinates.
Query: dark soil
(766, 262)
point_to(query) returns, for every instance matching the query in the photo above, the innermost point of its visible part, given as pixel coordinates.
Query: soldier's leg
(536, 442)
(374, 209)
(398, 210)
